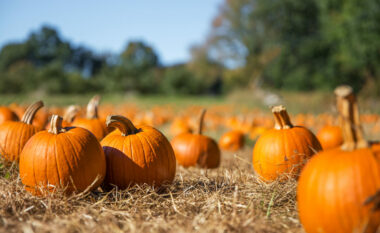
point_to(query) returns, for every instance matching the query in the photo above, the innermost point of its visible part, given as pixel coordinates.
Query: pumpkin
(6, 114)
(137, 155)
(180, 126)
(14, 134)
(336, 186)
(70, 114)
(330, 137)
(232, 140)
(196, 149)
(92, 122)
(41, 119)
(282, 151)
(62, 158)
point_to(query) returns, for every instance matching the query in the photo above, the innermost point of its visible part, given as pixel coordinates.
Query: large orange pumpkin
(14, 134)
(196, 149)
(330, 137)
(137, 155)
(335, 186)
(282, 152)
(92, 121)
(62, 158)
(6, 114)
(232, 140)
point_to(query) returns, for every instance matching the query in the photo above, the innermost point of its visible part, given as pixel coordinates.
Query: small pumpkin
(336, 186)
(6, 114)
(92, 122)
(14, 134)
(232, 140)
(330, 137)
(282, 152)
(62, 158)
(137, 155)
(196, 149)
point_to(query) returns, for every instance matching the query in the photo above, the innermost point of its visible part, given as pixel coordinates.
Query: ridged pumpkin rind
(143, 157)
(72, 160)
(332, 190)
(13, 137)
(283, 152)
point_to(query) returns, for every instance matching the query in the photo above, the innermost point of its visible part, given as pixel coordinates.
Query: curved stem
(122, 123)
(56, 125)
(281, 117)
(201, 121)
(71, 113)
(31, 112)
(92, 107)
(349, 117)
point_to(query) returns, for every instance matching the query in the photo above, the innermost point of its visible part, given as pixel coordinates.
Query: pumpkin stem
(122, 123)
(201, 121)
(92, 107)
(56, 125)
(31, 112)
(71, 113)
(349, 119)
(281, 118)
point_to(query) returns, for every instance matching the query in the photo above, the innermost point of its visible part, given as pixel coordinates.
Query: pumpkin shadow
(137, 177)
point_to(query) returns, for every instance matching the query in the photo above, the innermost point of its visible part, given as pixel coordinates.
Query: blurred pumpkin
(70, 114)
(6, 114)
(137, 155)
(330, 137)
(282, 152)
(14, 134)
(196, 149)
(180, 126)
(232, 140)
(92, 122)
(336, 185)
(62, 158)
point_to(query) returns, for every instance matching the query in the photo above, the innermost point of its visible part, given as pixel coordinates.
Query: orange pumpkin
(14, 134)
(92, 121)
(196, 149)
(336, 187)
(62, 158)
(330, 137)
(180, 126)
(6, 114)
(232, 140)
(70, 114)
(137, 155)
(281, 152)
(41, 119)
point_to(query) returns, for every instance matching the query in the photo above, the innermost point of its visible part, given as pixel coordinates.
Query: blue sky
(170, 26)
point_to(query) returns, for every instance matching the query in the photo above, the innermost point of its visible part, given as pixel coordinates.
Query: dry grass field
(227, 199)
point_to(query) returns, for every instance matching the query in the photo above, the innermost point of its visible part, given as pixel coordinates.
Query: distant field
(296, 102)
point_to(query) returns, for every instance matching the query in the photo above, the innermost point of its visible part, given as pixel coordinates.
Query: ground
(230, 198)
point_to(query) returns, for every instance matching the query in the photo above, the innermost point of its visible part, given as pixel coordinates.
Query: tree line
(282, 44)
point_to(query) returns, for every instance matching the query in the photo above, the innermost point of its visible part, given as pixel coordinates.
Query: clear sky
(170, 26)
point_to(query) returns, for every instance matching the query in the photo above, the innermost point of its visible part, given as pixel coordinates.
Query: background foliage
(282, 44)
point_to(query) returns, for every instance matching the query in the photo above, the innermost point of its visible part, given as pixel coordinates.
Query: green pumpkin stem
(201, 121)
(31, 112)
(349, 119)
(122, 123)
(92, 107)
(281, 118)
(56, 125)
